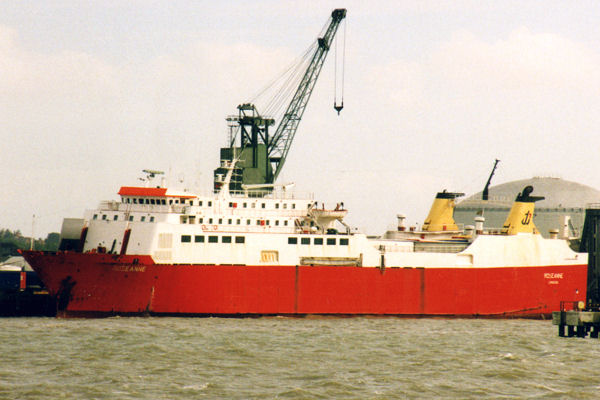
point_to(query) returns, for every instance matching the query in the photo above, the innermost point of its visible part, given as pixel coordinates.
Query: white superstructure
(280, 228)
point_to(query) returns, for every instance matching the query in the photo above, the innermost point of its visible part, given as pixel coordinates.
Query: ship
(251, 247)
(158, 251)
(22, 294)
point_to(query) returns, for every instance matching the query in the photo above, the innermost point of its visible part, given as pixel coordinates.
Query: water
(284, 358)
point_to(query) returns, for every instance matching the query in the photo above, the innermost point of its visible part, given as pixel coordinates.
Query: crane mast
(282, 140)
(261, 155)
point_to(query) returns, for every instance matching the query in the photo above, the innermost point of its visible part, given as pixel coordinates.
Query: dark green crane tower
(261, 154)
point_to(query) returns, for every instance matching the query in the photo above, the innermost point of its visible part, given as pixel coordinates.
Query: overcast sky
(92, 92)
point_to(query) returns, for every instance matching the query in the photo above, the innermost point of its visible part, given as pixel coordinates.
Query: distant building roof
(558, 193)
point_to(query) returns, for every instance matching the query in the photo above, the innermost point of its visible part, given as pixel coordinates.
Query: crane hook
(338, 108)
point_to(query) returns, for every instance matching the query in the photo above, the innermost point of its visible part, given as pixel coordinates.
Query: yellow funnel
(441, 214)
(520, 218)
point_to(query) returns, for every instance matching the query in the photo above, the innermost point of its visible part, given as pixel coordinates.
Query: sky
(92, 93)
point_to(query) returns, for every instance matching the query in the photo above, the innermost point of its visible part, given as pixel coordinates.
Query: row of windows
(262, 205)
(318, 241)
(211, 239)
(242, 239)
(143, 200)
(116, 218)
(201, 220)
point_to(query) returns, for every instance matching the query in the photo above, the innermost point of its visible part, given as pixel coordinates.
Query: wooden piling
(578, 323)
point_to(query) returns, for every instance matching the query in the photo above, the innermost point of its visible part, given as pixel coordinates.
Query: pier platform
(577, 322)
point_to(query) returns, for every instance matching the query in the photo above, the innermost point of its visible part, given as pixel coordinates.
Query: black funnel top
(524, 196)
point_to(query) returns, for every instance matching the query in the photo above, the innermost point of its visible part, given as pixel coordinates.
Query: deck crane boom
(261, 155)
(282, 140)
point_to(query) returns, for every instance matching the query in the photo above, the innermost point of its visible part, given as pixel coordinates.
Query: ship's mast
(485, 193)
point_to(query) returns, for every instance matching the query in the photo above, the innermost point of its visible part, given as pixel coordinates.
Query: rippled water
(377, 358)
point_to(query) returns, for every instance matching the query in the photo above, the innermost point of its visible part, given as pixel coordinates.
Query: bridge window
(104, 217)
(247, 222)
(226, 239)
(143, 218)
(229, 221)
(131, 217)
(276, 205)
(344, 242)
(116, 217)
(213, 239)
(240, 239)
(199, 239)
(292, 240)
(318, 241)
(284, 205)
(95, 216)
(304, 240)
(331, 241)
(186, 239)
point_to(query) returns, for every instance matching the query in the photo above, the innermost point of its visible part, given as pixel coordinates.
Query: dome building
(563, 207)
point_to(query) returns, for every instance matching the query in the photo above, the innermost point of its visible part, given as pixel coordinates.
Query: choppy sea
(293, 358)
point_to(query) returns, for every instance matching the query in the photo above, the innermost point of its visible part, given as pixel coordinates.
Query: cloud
(72, 120)
(76, 125)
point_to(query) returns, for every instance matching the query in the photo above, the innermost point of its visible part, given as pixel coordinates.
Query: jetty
(576, 321)
(579, 319)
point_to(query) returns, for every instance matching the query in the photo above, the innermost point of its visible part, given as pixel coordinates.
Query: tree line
(12, 241)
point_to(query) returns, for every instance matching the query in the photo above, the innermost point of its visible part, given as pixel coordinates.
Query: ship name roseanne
(129, 268)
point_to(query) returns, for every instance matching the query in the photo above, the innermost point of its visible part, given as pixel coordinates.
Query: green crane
(262, 155)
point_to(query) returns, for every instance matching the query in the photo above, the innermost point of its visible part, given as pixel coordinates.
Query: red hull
(102, 284)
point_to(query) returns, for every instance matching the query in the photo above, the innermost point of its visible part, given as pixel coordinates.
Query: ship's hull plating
(103, 284)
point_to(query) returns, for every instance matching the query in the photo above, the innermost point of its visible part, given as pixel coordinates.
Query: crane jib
(261, 154)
